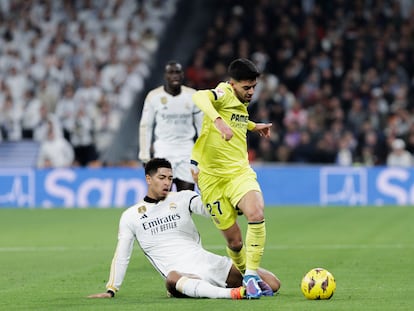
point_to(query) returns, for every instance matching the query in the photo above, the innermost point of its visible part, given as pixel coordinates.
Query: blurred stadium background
(338, 75)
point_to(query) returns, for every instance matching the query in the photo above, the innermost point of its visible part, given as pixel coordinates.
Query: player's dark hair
(242, 69)
(154, 164)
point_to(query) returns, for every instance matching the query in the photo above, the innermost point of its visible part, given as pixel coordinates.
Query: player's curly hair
(242, 69)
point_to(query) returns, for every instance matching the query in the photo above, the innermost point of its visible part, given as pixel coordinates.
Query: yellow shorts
(221, 195)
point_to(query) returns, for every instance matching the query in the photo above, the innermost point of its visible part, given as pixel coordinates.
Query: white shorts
(180, 159)
(209, 267)
(182, 170)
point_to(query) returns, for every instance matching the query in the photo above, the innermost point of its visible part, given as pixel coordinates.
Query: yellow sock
(255, 240)
(238, 258)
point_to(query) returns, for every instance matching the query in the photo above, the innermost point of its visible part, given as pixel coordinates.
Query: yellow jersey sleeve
(203, 100)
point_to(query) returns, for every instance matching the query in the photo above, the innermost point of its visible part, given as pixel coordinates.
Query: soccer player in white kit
(170, 122)
(163, 226)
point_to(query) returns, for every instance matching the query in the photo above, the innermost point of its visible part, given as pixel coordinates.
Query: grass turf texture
(53, 259)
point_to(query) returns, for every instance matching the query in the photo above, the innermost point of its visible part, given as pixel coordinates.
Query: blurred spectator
(398, 122)
(356, 115)
(107, 122)
(265, 151)
(292, 135)
(82, 138)
(285, 97)
(304, 151)
(398, 155)
(66, 111)
(197, 74)
(372, 143)
(296, 114)
(31, 114)
(17, 82)
(325, 149)
(113, 73)
(48, 94)
(377, 95)
(88, 95)
(133, 83)
(344, 156)
(367, 157)
(375, 116)
(282, 154)
(41, 129)
(10, 116)
(55, 151)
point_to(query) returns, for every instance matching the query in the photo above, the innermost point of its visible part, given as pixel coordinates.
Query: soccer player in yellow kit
(227, 183)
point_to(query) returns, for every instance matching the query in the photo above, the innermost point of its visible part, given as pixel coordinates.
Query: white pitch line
(32, 249)
(47, 249)
(220, 247)
(327, 247)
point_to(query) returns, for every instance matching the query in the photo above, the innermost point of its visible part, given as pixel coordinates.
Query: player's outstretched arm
(101, 295)
(263, 129)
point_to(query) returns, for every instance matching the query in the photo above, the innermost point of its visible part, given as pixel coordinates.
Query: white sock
(201, 289)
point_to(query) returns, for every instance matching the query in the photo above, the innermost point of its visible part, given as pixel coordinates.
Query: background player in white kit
(163, 226)
(170, 115)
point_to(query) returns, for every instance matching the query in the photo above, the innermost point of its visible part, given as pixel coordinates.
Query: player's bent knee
(254, 214)
(171, 282)
(172, 279)
(235, 246)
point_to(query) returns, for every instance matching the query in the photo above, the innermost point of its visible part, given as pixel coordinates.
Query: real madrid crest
(142, 209)
(164, 100)
(173, 205)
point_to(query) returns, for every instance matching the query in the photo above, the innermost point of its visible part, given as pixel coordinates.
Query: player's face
(244, 89)
(174, 76)
(160, 183)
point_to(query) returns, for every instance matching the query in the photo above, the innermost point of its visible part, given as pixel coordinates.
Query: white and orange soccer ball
(317, 284)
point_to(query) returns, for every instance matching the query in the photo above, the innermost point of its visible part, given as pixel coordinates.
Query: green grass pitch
(52, 259)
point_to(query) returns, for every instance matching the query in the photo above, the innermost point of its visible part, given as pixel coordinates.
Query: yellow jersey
(213, 154)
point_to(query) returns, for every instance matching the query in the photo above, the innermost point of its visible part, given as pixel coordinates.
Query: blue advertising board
(282, 186)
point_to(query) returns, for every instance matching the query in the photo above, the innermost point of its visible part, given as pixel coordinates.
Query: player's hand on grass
(101, 295)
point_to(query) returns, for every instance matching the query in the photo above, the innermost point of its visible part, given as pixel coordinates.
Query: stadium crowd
(77, 65)
(337, 79)
(338, 75)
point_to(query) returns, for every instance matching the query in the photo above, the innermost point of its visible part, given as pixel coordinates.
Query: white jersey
(403, 159)
(167, 235)
(174, 121)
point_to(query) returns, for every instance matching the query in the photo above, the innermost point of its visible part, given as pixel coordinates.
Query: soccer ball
(317, 284)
